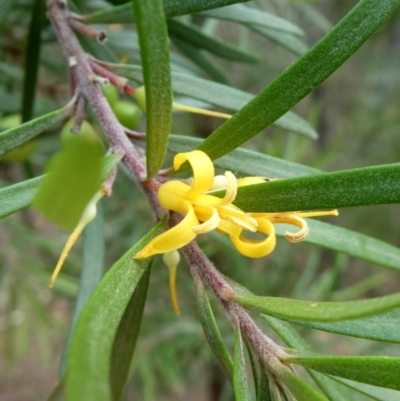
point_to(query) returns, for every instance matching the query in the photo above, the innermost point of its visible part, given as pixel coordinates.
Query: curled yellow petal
(175, 238)
(295, 220)
(237, 216)
(172, 196)
(226, 227)
(257, 249)
(203, 170)
(209, 224)
(231, 189)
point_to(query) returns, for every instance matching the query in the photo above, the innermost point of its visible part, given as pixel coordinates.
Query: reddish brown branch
(88, 87)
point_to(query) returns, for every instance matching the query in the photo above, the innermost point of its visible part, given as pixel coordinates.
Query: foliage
(124, 341)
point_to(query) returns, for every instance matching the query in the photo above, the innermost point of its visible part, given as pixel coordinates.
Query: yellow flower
(205, 212)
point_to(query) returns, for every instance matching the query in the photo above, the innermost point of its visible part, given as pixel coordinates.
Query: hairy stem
(89, 88)
(201, 267)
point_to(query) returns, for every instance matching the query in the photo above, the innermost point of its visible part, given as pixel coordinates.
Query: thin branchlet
(85, 80)
(203, 268)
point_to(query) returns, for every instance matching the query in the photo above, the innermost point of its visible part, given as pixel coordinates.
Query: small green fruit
(111, 94)
(20, 153)
(140, 97)
(127, 114)
(86, 131)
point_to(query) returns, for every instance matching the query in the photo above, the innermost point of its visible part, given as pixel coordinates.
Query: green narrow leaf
(298, 388)
(380, 371)
(92, 271)
(246, 162)
(201, 59)
(211, 330)
(154, 49)
(286, 40)
(302, 77)
(376, 393)
(19, 196)
(384, 327)
(315, 16)
(288, 308)
(351, 243)
(221, 96)
(14, 137)
(172, 8)
(240, 384)
(358, 187)
(229, 98)
(126, 336)
(32, 55)
(293, 339)
(261, 381)
(89, 361)
(197, 38)
(245, 15)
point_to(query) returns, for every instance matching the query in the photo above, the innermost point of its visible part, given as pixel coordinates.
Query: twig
(202, 268)
(86, 81)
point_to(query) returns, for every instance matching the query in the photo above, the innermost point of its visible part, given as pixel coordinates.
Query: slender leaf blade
(172, 8)
(376, 393)
(211, 330)
(302, 77)
(154, 49)
(197, 38)
(246, 15)
(357, 187)
(380, 371)
(286, 40)
(14, 137)
(92, 271)
(89, 361)
(385, 327)
(219, 95)
(201, 59)
(293, 340)
(126, 336)
(298, 387)
(18, 196)
(240, 383)
(246, 162)
(351, 243)
(288, 308)
(32, 59)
